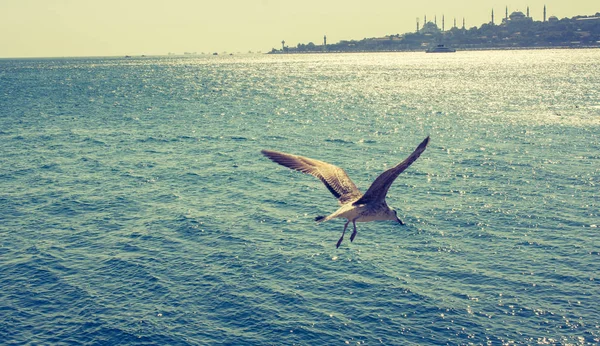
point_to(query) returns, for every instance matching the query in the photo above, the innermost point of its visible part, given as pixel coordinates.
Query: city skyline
(61, 28)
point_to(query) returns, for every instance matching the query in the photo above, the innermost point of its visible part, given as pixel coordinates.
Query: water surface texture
(136, 208)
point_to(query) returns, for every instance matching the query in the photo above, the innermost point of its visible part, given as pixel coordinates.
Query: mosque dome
(517, 15)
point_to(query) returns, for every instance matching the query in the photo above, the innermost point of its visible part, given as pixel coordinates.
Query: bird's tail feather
(320, 218)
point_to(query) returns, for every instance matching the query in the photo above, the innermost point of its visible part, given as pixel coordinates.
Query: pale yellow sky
(51, 28)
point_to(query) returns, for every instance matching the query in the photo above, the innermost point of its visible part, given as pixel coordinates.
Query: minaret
(492, 16)
(417, 24)
(506, 14)
(443, 22)
(455, 22)
(527, 11)
(325, 41)
(425, 21)
(544, 13)
(435, 20)
(283, 45)
(463, 23)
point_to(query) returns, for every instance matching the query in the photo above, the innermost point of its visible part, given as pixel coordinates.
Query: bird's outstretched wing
(381, 185)
(335, 179)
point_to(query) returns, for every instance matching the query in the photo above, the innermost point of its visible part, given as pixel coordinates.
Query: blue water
(136, 208)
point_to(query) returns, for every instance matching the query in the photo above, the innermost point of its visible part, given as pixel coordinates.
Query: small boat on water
(440, 48)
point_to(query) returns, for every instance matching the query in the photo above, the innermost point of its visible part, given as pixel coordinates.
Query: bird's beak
(400, 221)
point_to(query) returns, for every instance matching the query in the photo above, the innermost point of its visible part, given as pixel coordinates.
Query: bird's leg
(342, 237)
(353, 233)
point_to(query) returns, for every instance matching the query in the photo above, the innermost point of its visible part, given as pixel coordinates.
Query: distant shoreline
(458, 49)
(517, 31)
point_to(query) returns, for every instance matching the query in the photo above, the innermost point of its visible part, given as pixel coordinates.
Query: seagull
(355, 207)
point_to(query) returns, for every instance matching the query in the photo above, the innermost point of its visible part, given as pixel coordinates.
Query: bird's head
(394, 216)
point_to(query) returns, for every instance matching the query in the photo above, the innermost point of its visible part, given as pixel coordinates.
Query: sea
(136, 207)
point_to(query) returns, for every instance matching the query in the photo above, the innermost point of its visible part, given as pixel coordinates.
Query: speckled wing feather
(378, 190)
(335, 179)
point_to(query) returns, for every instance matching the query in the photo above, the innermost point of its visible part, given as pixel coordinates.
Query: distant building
(516, 17)
(430, 28)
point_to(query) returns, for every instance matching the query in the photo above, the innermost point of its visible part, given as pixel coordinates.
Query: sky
(64, 28)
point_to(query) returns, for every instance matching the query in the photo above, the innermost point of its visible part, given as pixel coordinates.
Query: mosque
(516, 17)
